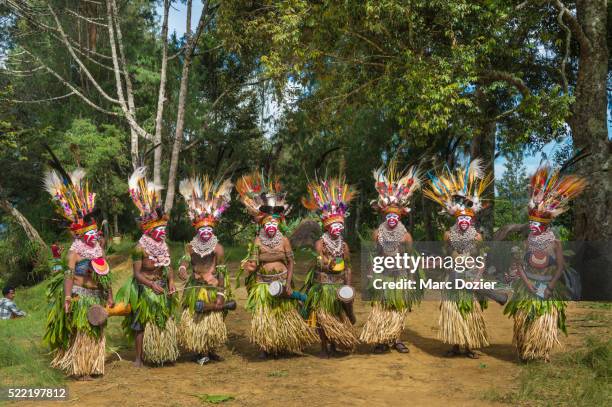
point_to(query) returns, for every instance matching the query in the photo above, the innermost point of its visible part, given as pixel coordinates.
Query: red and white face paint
(335, 229)
(271, 227)
(205, 233)
(536, 228)
(464, 222)
(91, 237)
(158, 234)
(392, 220)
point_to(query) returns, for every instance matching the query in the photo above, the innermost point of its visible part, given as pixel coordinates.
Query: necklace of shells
(334, 246)
(463, 242)
(271, 242)
(201, 248)
(541, 242)
(391, 239)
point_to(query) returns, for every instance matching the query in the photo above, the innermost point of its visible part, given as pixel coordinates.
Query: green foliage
(214, 398)
(512, 194)
(22, 262)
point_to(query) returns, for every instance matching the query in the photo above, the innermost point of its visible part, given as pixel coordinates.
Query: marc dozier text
(411, 263)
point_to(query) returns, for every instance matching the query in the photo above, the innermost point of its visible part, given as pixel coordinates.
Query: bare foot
(138, 363)
(471, 354)
(336, 352)
(85, 378)
(380, 349)
(453, 352)
(214, 357)
(263, 355)
(400, 347)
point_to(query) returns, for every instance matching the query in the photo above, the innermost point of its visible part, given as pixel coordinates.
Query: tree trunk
(483, 146)
(161, 98)
(588, 123)
(115, 225)
(180, 117)
(30, 231)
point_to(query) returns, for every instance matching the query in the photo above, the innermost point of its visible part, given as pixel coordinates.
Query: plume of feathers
(258, 191)
(461, 189)
(205, 197)
(145, 194)
(395, 187)
(551, 191)
(71, 194)
(330, 197)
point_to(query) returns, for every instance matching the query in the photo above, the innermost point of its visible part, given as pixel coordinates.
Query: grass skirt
(156, 313)
(276, 325)
(201, 332)
(329, 315)
(77, 346)
(537, 324)
(85, 356)
(461, 320)
(160, 345)
(385, 323)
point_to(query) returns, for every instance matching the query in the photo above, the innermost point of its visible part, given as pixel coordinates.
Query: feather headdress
(72, 198)
(395, 188)
(331, 198)
(263, 197)
(460, 192)
(551, 192)
(206, 199)
(147, 197)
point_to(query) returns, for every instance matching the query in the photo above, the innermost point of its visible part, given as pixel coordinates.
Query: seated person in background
(8, 309)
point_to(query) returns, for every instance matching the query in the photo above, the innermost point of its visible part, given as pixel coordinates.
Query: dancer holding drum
(385, 324)
(78, 346)
(276, 325)
(151, 290)
(202, 328)
(328, 284)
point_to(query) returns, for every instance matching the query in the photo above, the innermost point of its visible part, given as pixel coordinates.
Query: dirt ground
(422, 377)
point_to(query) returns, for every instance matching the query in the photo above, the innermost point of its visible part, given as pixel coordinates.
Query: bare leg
(139, 339)
(454, 351)
(325, 353)
(212, 355)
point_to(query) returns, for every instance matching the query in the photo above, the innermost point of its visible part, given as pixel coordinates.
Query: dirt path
(422, 377)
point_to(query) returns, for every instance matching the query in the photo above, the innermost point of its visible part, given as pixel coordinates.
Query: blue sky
(178, 14)
(176, 23)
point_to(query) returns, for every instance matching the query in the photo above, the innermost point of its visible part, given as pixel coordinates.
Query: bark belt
(329, 278)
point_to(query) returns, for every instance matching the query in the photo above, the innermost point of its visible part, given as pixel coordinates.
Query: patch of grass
(582, 377)
(597, 305)
(24, 360)
(214, 398)
(278, 373)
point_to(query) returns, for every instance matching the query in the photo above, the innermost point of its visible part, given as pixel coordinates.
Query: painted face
(464, 222)
(335, 229)
(159, 233)
(205, 233)
(91, 237)
(271, 227)
(392, 220)
(536, 228)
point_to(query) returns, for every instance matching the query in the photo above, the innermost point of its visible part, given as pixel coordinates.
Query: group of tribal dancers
(286, 320)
